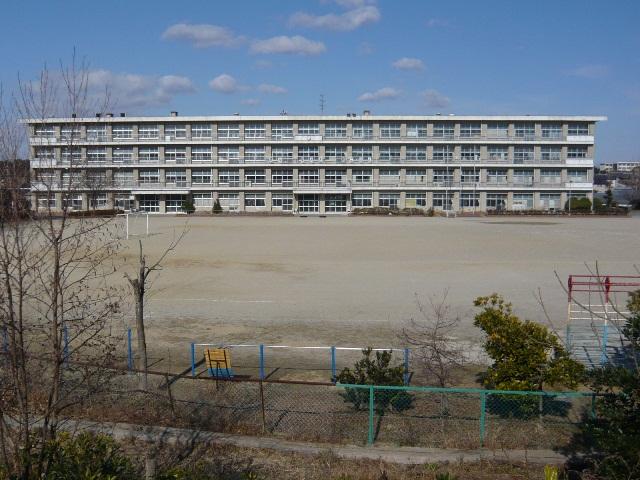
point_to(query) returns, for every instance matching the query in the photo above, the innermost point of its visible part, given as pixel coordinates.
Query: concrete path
(391, 454)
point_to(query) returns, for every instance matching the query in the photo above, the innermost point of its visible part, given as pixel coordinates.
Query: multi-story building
(312, 164)
(623, 167)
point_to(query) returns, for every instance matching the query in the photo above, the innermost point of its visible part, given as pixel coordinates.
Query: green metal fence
(397, 413)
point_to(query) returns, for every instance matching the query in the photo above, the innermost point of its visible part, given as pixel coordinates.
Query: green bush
(188, 206)
(578, 204)
(217, 208)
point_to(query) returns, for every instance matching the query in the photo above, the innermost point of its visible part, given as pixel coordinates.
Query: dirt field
(352, 281)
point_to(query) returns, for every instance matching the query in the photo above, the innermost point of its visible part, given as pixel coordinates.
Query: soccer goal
(136, 224)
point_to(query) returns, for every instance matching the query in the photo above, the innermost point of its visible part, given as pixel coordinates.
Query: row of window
(99, 132)
(391, 153)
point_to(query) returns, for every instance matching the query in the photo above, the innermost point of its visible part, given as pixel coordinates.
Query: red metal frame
(606, 284)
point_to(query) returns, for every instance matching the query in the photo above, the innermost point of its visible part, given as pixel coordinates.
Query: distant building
(312, 164)
(622, 167)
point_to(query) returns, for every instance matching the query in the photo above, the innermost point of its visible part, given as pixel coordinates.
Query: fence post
(334, 375)
(406, 366)
(483, 416)
(193, 359)
(261, 347)
(605, 340)
(371, 416)
(65, 338)
(129, 351)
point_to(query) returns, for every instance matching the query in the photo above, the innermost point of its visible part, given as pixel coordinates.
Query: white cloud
(291, 45)
(385, 93)
(437, 22)
(250, 101)
(268, 88)
(225, 83)
(435, 99)
(349, 20)
(589, 71)
(128, 90)
(203, 35)
(407, 63)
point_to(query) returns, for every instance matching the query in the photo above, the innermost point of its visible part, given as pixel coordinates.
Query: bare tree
(430, 336)
(56, 301)
(140, 285)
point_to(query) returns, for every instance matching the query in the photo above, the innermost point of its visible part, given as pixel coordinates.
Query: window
(201, 200)
(390, 153)
(550, 153)
(552, 130)
(98, 200)
(442, 153)
(550, 176)
(123, 178)
(416, 176)
(72, 201)
(73, 179)
(148, 154)
(523, 154)
(122, 132)
(335, 153)
(254, 153)
(282, 201)
(175, 154)
(361, 200)
(497, 130)
(416, 199)
(550, 201)
(149, 203)
(176, 176)
(228, 130)
(46, 178)
(416, 130)
(174, 203)
(281, 130)
(390, 130)
(522, 201)
(45, 131)
(525, 131)
(201, 130)
(255, 200)
(308, 153)
(442, 201)
(229, 177)
(335, 130)
(308, 177)
(254, 130)
(362, 130)
(498, 153)
(229, 201)
(97, 133)
(70, 132)
(96, 155)
(147, 131)
(201, 175)
(361, 153)
(470, 130)
(308, 129)
(229, 154)
(46, 201)
(443, 130)
(335, 203)
(71, 154)
(255, 177)
(578, 175)
(123, 202)
(416, 153)
(523, 177)
(470, 175)
(308, 203)
(148, 176)
(578, 129)
(282, 177)
(282, 154)
(334, 177)
(389, 176)
(469, 200)
(361, 176)
(175, 131)
(388, 199)
(496, 176)
(577, 152)
(201, 154)
(122, 155)
(470, 153)
(496, 201)
(442, 176)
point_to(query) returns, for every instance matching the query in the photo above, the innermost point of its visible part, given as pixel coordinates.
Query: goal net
(136, 224)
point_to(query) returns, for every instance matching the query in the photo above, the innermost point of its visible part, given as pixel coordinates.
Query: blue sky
(413, 57)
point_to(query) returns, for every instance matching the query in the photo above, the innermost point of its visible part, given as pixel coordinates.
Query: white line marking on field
(223, 300)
